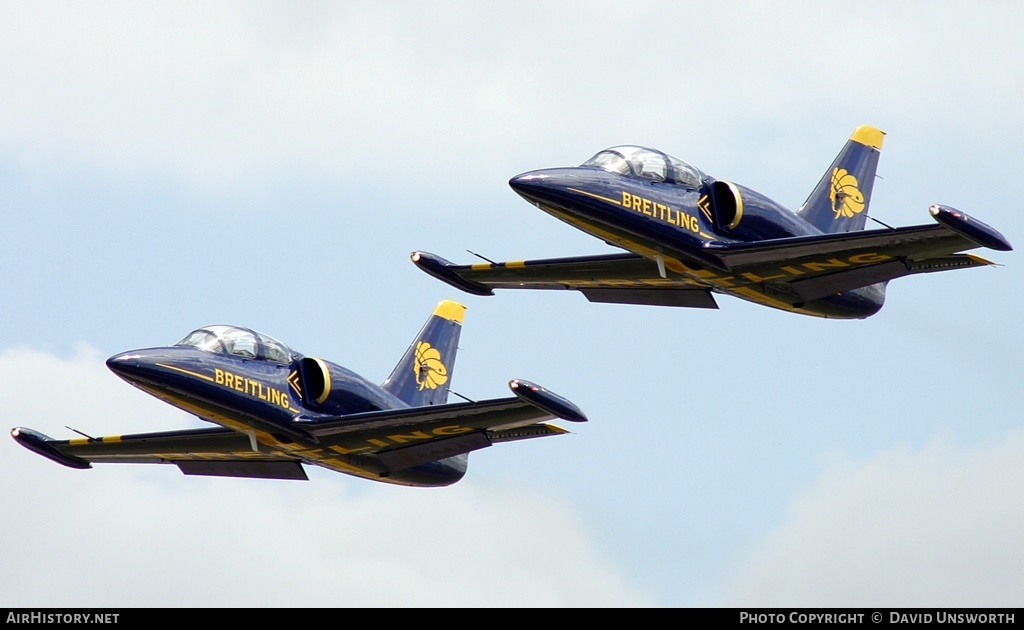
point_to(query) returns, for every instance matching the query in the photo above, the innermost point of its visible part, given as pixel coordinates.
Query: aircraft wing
(812, 267)
(619, 278)
(402, 438)
(207, 451)
(913, 243)
(398, 438)
(802, 268)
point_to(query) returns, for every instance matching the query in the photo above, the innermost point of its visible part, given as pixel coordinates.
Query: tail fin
(422, 376)
(839, 203)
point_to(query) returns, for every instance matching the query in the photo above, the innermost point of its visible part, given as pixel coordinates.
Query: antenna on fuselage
(452, 391)
(880, 222)
(481, 257)
(86, 435)
(877, 176)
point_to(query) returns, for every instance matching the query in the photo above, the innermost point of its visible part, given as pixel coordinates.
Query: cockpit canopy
(238, 341)
(647, 163)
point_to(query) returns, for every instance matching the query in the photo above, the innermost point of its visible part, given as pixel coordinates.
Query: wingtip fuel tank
(546, 400)
(39, 443)
(970, 228)
(439, 268)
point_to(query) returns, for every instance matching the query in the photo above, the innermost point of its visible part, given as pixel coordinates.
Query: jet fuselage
(264, 399)
(674, 222)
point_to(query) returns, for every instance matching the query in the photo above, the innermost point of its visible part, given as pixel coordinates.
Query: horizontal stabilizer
(789, 250)
(410, 456)
(457, 428)
(415, 455)
(817, 287)
(477, 415)
(532, 404)
(954, 232)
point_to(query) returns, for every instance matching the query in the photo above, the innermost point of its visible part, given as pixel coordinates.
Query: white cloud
(149, 536)
(939, 526)
(218, 93)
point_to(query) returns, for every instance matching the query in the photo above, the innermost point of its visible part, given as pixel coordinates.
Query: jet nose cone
(552, 188)
(540, 187)
(528, 183)
(131, 365)
(123, 363)
(118, 360)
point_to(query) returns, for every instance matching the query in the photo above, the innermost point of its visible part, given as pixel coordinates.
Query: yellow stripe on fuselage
(595, 196)
(189, 372)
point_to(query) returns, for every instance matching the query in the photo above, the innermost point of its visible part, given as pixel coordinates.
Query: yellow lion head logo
(847, 200)
(428, 366)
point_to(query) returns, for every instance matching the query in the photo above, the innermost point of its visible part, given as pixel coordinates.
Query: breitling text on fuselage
(253, 388)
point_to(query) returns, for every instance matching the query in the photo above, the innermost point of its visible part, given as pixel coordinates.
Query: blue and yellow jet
(690, 236)
(278, 409)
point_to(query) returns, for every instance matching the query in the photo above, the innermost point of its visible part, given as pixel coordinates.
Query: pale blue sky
(165, 165)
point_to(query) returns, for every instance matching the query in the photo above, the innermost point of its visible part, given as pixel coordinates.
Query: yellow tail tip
(451, 310)
(869, 136)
